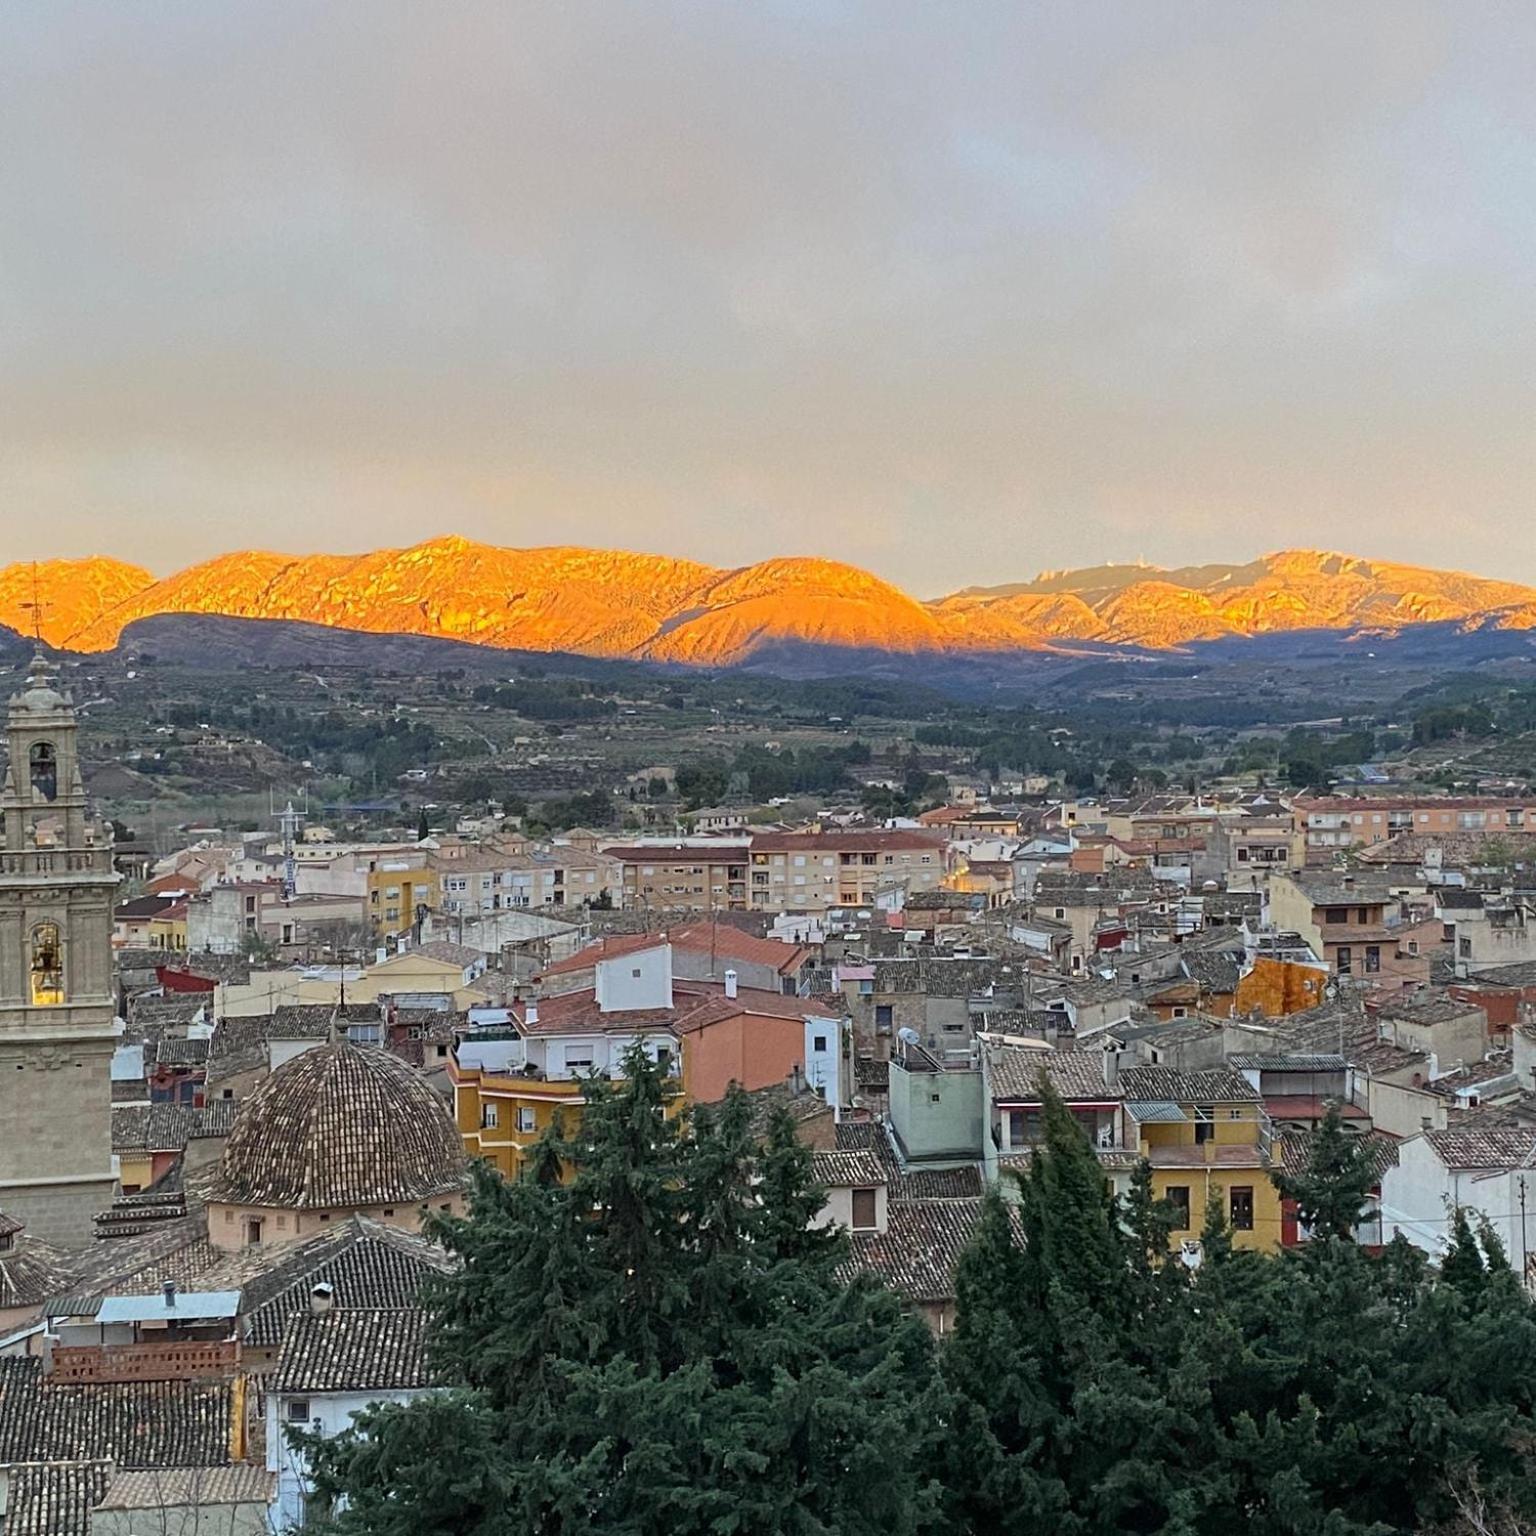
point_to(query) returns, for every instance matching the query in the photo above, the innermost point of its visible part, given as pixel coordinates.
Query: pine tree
(1332, 1193)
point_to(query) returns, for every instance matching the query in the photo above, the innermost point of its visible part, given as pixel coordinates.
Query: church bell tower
(56, 1003)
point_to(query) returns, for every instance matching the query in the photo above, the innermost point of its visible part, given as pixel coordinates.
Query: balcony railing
(181, 1360)
(1205, 1154)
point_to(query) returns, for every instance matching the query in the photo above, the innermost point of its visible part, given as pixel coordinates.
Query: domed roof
(40, 697)
(340, 1126)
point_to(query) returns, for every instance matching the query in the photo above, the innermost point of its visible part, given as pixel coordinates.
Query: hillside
(652, 607)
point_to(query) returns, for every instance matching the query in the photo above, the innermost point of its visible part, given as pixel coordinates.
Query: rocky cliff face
(611, 603)
(71, 594)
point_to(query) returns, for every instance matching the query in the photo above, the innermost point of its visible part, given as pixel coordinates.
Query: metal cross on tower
(36, 607)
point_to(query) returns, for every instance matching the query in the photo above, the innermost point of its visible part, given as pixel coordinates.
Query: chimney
(797, 1079)
(1111, 1061)
(168, 1291)
(531, 1012)
(730, 983)
(322, 1297)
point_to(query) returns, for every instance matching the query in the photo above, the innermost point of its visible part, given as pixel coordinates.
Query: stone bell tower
(56, 1004)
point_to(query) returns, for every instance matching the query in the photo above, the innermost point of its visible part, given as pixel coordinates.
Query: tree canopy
(663, 1343)
(648, 1335)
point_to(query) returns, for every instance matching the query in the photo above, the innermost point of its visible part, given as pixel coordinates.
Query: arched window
(47, 966)
(45, 771)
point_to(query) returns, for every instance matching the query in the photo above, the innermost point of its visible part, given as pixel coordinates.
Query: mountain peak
(621, 603)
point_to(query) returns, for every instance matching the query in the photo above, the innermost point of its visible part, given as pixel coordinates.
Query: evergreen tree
(1332, 1193)
(653, 1345)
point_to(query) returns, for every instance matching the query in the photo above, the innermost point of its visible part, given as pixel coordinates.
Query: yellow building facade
(168, 930)
(395, 892)
(1211, 1143)
(502, 1115)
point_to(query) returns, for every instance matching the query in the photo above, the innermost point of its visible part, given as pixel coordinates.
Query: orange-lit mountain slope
(613, 603)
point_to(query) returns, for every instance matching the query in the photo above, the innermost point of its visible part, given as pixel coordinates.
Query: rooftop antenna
(288, 822)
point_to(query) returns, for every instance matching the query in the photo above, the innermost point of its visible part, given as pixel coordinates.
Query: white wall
(334, 1411)
(839, 1208)
(1420, 1194)
(642, 980)
(823, 1068)
(565, 1057)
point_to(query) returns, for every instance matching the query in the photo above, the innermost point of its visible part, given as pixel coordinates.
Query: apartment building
(1245, 850)
(812, 871)
(1329, 823)
(476, 884)
(401, 888)
(1357, 924)
(706, 872)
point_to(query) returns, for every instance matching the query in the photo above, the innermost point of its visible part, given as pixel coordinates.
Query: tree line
(647, 1335)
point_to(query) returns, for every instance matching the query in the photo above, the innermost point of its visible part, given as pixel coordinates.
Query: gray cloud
(952, 291)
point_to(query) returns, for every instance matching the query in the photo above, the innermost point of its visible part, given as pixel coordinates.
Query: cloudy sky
(953, 291)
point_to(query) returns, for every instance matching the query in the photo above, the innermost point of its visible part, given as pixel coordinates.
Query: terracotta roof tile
(1014, 1072)
(143, 1424)
(1219, 1085)
(355, 1350)
(917, 1253)
(1503, 1147)
(53, 1498)
(338, 1127)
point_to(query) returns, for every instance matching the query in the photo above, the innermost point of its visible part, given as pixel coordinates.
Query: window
(863, 1210)
(1023, 1127)
(1240, 1198)
(298, 1410)
(527, 1121)
(635, 973)
(1362, 915)
(45, 771)
(1373, 957)
(1344, 960)
(883, 1018)
(1177, 1195)
(818, 1042)
(1205, 1124)
(47, 966)
(490, 1116)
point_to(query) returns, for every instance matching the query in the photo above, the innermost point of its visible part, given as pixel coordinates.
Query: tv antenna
(288, 821)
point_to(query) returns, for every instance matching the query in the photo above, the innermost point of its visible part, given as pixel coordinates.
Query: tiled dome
(341, 1127)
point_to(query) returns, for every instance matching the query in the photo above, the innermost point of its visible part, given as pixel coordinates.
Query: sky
(954, 292)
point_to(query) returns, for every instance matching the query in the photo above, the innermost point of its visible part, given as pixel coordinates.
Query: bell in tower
(56, 1003)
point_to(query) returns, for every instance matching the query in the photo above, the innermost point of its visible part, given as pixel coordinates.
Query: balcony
(1360, 933)
(177, 1360)
(1208, 1154)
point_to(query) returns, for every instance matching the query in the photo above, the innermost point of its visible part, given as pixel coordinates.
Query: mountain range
(655, 608)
